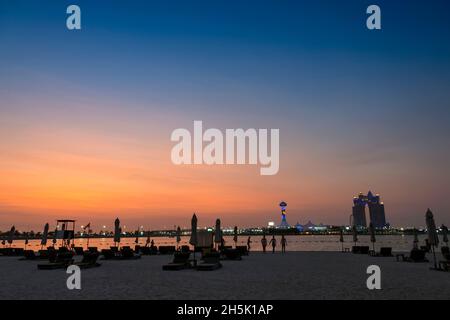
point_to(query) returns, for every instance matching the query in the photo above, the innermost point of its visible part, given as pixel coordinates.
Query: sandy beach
(294, 275)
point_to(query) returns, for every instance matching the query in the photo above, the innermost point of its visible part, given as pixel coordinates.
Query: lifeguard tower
(65, 231)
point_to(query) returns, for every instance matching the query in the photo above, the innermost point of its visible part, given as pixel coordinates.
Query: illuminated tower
(376, 211)
(359, 211)
(283, 224)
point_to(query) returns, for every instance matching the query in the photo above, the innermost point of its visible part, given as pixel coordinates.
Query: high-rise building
(376, 210)
(359, 211)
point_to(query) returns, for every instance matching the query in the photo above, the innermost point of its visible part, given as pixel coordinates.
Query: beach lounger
(146, 251)
(62, 261)
(384, 252)
(12, 252)
(416, 255)
(108, 254)
(211, 261)
(92, 249)
(114, 249)
(242, 250)
(128, 254)
(166, 249)
(185, 249)
(29, 255)
(444, 265)
(180, 261)
(89, 260)
(79, 251)
(231, 254)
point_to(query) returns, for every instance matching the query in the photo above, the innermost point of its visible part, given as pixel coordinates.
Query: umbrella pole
(434, 256)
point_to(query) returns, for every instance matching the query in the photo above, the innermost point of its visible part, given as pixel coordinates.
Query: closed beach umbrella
(431, 227)
(235, 236)
(218, 233)
(178, 235)
(11, 235)
(193, 239)
(432, 233)
(147, 242)
(341, 238)
(372, 235)
(117, 231)
(26, 240)
(416, 239)
(137, 237)
(444, 234)
(44, 235)
(355, 235)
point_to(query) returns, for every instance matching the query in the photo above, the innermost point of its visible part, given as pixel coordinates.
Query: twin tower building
(376, 211)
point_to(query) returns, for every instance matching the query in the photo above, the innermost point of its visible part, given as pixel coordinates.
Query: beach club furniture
(360, 249)
(126, 253)
(62, 261)
(92, 249)
(78, 251)
(43, 254)
(108, 254)
(242, 250)
(445, 264)
(416, 255)
(210, 261)
(185, 248)
(12, 252)
(231, 254)
(180, 261)
(166, 249)
(149, 250)
(29, 255)
(89, 260)
(384, 252)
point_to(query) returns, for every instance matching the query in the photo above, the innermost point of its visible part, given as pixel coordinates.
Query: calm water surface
(294, 243)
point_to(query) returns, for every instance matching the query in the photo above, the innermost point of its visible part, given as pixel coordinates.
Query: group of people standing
(272, 242)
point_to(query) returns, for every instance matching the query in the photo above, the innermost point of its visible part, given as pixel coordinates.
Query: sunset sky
(86, 116)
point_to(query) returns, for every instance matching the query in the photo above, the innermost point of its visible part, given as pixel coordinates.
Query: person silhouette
(264, 243)
(273, 242)
(283, 244)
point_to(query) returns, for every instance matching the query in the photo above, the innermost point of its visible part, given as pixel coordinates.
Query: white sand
(295, 275)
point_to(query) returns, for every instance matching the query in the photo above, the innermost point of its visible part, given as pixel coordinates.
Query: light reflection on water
(399, 243)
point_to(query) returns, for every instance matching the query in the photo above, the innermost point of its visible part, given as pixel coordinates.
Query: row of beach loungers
(63, 257)
(416, 255)
(209, 261)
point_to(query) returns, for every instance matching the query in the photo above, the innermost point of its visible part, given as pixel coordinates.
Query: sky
(86, 115)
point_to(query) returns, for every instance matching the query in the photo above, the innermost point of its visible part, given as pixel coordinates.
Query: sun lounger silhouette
(89, 260)
(211, 261)
(61, 260)
(416, 255)
(231, 254)
(180, 261)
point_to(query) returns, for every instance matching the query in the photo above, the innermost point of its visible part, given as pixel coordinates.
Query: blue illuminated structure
(284, 224)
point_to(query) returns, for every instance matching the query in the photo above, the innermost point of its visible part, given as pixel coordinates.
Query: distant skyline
(86, 116)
